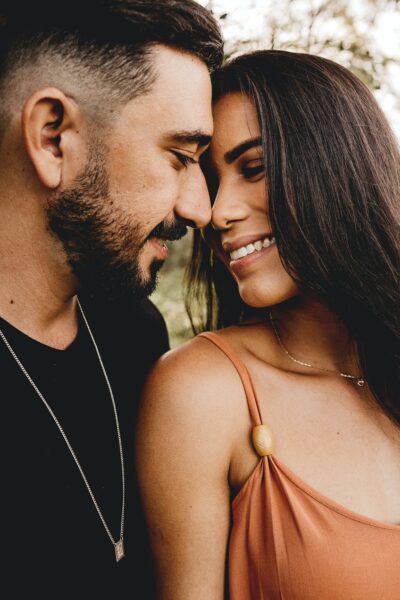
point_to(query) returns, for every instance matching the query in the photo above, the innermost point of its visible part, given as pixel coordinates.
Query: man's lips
(161, 240)
(159, 245)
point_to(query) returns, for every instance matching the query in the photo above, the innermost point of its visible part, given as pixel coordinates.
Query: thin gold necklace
(360, 381)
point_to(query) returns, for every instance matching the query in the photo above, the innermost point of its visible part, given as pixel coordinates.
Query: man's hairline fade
(51, 69)
(116, 70)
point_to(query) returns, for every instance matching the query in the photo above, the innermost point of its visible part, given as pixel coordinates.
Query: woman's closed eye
(253, 170)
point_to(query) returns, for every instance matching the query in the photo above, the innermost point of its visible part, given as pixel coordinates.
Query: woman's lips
(243, 241)
(240, 265)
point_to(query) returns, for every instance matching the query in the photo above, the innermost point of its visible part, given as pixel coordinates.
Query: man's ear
(53, 132)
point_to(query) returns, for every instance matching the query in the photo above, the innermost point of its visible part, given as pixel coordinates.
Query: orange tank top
(290, 542)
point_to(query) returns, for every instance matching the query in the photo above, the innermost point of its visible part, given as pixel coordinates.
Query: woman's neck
(312, 333)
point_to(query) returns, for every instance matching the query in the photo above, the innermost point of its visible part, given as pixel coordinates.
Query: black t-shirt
(54, 543)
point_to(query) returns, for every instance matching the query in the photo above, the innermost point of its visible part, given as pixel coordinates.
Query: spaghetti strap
(252, 402)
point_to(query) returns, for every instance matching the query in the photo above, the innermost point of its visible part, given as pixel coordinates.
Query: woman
(269, 453)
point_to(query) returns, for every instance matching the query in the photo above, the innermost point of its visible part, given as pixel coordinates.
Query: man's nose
(193, 204)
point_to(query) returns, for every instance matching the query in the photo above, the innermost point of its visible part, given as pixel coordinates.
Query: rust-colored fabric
(290, 542)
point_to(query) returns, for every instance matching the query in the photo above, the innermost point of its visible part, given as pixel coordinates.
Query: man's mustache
(169, 231)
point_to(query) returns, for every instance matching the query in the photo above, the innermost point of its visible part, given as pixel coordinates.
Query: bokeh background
(363, 35)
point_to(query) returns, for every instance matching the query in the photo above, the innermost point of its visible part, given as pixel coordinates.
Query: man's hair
(100, 50)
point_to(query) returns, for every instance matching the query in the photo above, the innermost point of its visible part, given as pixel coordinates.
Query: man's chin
(124, 286)
(149, 285)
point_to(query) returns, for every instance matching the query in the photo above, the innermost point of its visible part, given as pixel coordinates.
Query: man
(103, 118)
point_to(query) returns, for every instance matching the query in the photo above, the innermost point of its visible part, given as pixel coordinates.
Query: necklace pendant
(361, 382)
(119, 550)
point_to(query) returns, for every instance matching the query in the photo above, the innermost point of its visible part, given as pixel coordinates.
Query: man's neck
(43, 317)
(37, 289)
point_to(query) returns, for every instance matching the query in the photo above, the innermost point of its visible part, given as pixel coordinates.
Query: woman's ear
(52, 130)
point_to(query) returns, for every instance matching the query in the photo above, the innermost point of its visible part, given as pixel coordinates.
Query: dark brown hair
(333, 170)
(111, 39)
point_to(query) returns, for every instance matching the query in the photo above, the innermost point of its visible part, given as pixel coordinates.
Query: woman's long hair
(333, 172)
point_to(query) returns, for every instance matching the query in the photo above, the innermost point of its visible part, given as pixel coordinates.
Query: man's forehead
(181, 80)
(179, 100)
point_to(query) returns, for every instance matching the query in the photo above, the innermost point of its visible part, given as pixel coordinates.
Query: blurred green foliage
(169, 295)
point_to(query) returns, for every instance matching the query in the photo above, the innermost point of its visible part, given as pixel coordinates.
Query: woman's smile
(246, 256)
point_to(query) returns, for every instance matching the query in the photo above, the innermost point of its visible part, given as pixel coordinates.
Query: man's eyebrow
(190, 137)
(233, 154)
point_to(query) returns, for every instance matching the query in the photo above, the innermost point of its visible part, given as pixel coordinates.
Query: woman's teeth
(250, 248)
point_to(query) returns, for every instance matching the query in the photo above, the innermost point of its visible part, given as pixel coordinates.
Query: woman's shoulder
(194, 361)
(197, 378)
(212, 352)
(195, 391)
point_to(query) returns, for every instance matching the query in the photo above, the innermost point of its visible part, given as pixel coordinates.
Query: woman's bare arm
(183, 448)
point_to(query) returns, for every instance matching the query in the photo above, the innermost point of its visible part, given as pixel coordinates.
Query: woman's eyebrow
(233, 154)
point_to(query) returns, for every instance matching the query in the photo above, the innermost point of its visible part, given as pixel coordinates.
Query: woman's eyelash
(250, 172)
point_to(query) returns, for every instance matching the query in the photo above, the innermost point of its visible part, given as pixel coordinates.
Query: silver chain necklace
(360, 381)
(118, 545)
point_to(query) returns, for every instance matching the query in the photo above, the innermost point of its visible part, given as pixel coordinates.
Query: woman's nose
(228, 207)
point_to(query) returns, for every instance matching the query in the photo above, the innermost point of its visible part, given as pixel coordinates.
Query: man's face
(143, 186)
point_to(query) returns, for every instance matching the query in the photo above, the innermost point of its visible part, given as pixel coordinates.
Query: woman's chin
(258, 296)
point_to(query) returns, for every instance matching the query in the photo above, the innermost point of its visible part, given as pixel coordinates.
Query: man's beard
(101, 244)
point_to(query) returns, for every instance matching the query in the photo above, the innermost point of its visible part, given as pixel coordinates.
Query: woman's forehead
(235, 120)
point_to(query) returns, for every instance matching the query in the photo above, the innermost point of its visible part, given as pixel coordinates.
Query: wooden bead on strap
(262, 440)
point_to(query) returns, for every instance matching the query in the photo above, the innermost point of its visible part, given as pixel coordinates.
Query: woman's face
(240, 232)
